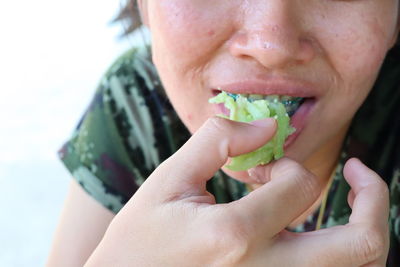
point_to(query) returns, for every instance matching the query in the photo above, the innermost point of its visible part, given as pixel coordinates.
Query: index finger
(187, 171)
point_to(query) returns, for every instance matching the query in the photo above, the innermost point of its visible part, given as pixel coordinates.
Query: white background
(52, 55)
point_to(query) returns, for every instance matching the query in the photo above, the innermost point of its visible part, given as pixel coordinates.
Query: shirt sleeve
(114, 147)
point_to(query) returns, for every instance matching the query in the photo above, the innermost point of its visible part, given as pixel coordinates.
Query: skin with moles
(335, 46)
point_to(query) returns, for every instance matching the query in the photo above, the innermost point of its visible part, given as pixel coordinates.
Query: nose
(272, 33)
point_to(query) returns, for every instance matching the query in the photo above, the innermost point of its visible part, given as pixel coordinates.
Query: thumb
(186, 172)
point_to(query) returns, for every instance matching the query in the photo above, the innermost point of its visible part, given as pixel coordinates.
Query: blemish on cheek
(210, 32)
(275, 28)
(189, 117)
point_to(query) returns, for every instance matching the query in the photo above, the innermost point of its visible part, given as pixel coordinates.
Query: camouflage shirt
(130, 128)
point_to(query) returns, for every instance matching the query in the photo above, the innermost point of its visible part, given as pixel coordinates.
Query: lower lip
(299, 119)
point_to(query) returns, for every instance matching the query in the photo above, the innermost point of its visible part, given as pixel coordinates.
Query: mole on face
(210, 32)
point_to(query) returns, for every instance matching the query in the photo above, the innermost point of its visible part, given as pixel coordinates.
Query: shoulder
(118, 141)
(136, 63)
(133, 75)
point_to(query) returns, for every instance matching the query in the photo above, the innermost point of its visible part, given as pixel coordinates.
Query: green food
(243, 110)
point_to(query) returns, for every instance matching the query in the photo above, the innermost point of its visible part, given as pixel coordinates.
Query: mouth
(297, 107)
(291, 103)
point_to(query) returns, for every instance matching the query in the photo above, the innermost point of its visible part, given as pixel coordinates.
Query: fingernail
(367, 176)
(264, 123)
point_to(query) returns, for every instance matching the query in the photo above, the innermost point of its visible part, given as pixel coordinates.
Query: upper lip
(273, 86)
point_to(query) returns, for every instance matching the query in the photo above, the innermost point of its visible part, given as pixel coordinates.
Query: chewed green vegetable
(244, 110)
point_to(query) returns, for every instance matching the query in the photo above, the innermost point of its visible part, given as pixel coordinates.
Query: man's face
(327, 51)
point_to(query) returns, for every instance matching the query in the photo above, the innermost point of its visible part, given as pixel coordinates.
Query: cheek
(356, 69)
(186, 35)
(355, 53)
(187, 31)
(364, 53)
(358, 66)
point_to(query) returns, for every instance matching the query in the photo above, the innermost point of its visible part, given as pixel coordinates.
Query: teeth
(291, 103)
(234, 96)
(273, 98)
(256, 97)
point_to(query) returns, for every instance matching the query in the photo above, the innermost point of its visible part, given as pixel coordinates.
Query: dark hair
(128, 16)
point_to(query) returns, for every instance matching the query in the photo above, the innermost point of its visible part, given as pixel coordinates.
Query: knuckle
(306, 182)
(370, 244)
(383, 188)
(231, 240)
(289, 167)
(217, 124)
(309, 186)
(217, 129)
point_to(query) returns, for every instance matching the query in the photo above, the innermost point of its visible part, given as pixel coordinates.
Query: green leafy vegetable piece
(243, 110)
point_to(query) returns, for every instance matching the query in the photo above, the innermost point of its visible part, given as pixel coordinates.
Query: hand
(173, 221)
